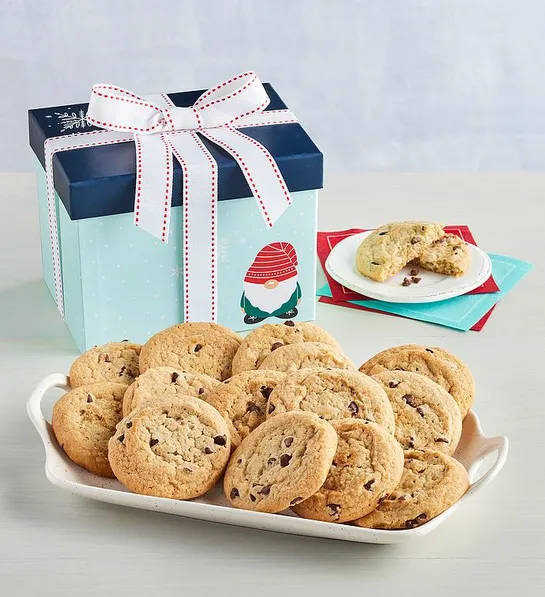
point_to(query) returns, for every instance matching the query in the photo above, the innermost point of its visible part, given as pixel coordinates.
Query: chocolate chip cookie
(448, 255)
(283, 462)
(200, 347)
(117, 362)
(262, 341)
(242, 401)
(367, 467)
(83, 421)
(437, 364)
(333, 394)
(432, 481)
(177, 447)
(307, 355)
(158, 382)
(388, 249)
(426, 415)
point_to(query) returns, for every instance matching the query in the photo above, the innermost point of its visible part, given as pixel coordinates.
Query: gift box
(115, 280)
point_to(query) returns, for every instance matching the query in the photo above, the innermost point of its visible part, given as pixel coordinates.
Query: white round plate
(341, 266)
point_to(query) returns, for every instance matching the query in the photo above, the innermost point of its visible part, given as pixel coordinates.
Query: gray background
(381, 85)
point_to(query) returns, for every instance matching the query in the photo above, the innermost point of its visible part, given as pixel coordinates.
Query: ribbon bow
(161, 130)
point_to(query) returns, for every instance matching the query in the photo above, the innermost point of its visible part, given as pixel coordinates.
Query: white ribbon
(159, 130)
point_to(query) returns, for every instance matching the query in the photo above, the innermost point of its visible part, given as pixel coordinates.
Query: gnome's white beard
(269, 299)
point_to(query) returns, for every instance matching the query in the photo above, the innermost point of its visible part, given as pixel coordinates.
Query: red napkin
(327, 240)
(340, 294)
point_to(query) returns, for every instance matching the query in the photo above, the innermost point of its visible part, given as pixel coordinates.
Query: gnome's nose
(270, 284)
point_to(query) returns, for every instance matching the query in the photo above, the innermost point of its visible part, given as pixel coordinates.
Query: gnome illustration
(271, 288)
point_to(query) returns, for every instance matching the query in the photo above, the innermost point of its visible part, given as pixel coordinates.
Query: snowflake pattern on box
(71, 119)
(223, 249)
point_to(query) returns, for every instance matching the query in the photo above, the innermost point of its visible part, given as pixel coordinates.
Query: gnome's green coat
(290, 304)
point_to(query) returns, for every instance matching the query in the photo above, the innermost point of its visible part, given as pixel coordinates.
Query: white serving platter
(341, 266)
(474, 447)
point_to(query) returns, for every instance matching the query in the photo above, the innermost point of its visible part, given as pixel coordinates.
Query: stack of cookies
(283, 415)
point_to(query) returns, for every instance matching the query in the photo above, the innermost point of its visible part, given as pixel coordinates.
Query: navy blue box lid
(100, 181)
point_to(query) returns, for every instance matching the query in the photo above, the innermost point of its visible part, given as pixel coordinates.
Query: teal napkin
(461, 312)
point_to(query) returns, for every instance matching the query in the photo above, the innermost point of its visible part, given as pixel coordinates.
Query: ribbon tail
(153, 185)
(200, 192)
(259, 168)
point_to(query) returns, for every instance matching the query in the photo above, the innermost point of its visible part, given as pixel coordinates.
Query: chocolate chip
(382, 233)
(369, 484)
(410, 444)
(129, 424)
(186, 468)
(353, 408)
(334, 509)
(89, 398)
(414, 240)
(394, 384)
(277, 345)
(442, 440)
(153, 442)
(234, 493)
(266, 392)
(414, 522)
(220, 440)
(406, 282)
(271, 461)
(288, 441)
(409, 399)
(415, 271)
(197, 347)
(121, 438)
(107, 358)
(374, 263)
(253, 498)
(295, 501)
(124, 340)
(265, 490)
(201, 391)
(239, 461)
(271, 408)
(122, 370)
(420, 411)
(382, 498)
(401, 498)
(429, 350)
(253, 408)
(208, 450)
(290, 324)
(174, 376)
(285, 459)
(416, 280)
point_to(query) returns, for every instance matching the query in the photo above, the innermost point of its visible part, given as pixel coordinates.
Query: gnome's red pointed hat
(276, 261)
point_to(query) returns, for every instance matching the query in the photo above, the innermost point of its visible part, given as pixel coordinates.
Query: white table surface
(52, 543)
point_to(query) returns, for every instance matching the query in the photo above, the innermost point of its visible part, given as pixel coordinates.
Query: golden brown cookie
(426, 415)
(83, 421)
(116, 361)
(175, 447)
(200, 347)
(333, 394)
(388, 249)
(242, 401)
(158, 382)
(432, 481)
(448, 255)
(308, 355)
(261, 342)
(283, 462)
(367, 467)
(441, 367)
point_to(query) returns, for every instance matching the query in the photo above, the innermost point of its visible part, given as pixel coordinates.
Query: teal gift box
(119, 282)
